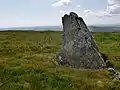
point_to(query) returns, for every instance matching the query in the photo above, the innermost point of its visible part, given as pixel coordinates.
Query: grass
(27, 62)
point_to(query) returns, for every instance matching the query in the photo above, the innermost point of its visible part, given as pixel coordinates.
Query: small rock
(117, 76)
(111, 69)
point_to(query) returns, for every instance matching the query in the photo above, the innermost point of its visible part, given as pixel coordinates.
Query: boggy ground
(27, 62)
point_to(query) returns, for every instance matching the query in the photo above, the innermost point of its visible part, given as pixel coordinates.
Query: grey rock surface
(117, 76)
(79, 48)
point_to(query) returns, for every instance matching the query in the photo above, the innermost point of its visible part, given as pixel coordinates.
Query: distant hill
(97, 28)
(104, 28)
(36, 28)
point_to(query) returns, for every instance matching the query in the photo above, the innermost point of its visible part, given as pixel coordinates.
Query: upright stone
(79, 48)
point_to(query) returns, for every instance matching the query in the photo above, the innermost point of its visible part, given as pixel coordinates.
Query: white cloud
(113, 6)
(78, 6)
(97, 14)
(113, 9)
(87, 11)
(61, 3)
(61, 11)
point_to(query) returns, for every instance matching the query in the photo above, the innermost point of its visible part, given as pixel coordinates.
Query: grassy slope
(27, 62)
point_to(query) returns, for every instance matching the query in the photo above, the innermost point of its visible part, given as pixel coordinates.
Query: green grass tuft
(27, 62)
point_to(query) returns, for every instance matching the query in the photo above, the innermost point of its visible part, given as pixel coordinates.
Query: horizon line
(56, 25)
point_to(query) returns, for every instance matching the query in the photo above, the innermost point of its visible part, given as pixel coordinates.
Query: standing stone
(78, 47)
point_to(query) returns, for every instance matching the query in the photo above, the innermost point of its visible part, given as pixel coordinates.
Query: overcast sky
(49, 12)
